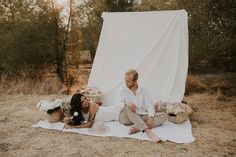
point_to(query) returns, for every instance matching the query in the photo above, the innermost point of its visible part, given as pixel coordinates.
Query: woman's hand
(67, 126)
(66, 120)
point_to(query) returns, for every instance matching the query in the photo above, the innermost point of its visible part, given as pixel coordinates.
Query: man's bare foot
(152, 136)
(133, 130)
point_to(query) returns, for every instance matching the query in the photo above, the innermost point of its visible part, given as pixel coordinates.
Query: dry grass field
(213, 122)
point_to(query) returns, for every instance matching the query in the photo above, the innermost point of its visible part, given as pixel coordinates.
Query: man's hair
(134, 73)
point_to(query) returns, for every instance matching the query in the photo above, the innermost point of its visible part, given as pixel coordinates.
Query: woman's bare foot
(133, 130)
(152, 136)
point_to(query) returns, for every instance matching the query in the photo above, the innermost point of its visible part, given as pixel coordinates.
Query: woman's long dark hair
(76, 106)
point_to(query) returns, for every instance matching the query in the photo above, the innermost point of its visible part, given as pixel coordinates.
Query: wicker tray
(181, 117)
(55, 116)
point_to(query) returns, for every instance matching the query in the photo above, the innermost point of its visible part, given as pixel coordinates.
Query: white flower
(45, 105)
(172, 109)
(75, 114)
(176, 108)
(169, 109)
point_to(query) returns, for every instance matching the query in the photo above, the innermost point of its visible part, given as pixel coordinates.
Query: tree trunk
(59, 56)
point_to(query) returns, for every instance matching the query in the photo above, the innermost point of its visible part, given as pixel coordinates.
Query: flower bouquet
(177, 112)
(74, 119)
(52, 108)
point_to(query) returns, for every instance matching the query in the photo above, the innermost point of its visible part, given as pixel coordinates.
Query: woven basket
(94, 97)
(181, 117)
(55, 116)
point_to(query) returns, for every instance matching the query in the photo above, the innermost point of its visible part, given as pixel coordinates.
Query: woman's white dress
(107, 113)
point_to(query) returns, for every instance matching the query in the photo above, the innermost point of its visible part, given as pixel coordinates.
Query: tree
(212, 26)
(31, 35)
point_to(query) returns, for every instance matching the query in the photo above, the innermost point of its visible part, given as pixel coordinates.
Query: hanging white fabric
(153, 43)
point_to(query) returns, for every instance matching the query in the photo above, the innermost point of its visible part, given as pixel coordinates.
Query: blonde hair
(132, 72)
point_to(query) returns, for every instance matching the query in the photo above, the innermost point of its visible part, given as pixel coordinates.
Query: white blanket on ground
(178, 133)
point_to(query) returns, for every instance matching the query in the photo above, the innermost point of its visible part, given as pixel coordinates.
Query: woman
(85, 112)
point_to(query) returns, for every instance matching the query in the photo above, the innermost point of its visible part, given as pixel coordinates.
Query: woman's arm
(85, 125)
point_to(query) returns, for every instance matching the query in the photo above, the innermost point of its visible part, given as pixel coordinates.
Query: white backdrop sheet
(153, 43)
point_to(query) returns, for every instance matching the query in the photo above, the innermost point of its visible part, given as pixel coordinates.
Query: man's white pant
(127, 117)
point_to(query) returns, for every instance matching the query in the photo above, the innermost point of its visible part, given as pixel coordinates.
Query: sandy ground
(213, 120)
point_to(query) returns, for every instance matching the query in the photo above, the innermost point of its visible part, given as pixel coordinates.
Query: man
(136, 107)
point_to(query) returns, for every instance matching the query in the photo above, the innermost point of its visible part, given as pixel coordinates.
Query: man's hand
(150, 122)
(132, 107)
